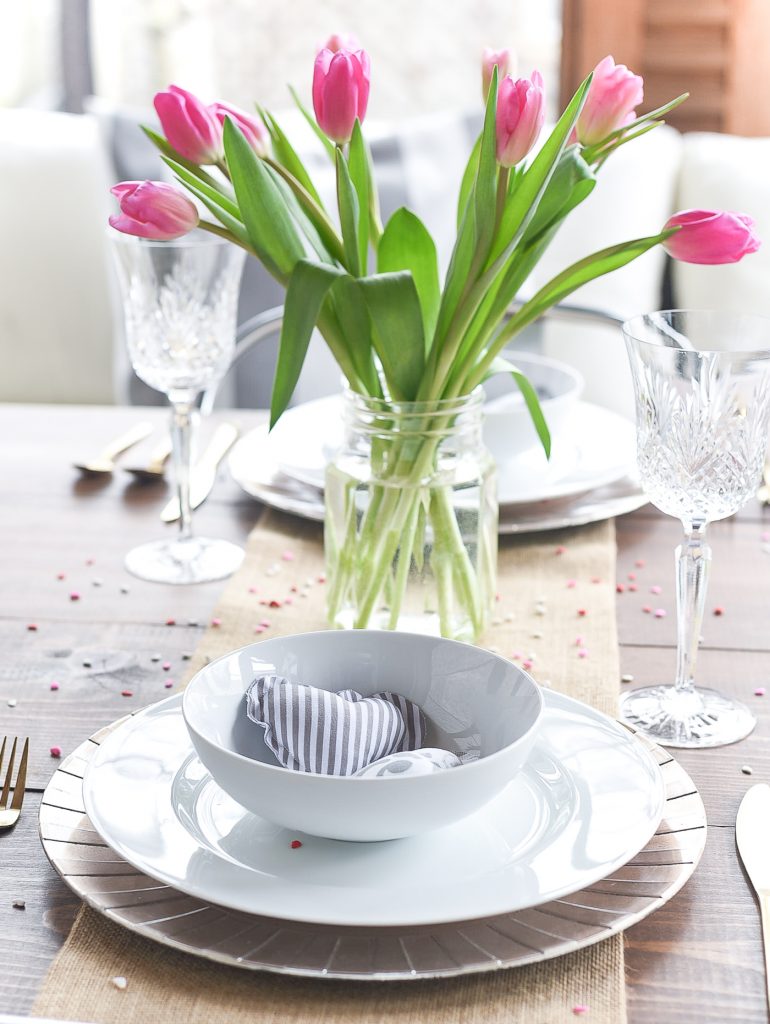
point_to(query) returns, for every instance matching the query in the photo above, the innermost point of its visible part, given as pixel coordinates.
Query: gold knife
(752, 834)
(204, 473)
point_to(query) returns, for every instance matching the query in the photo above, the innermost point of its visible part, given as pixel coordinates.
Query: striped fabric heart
(313, 730)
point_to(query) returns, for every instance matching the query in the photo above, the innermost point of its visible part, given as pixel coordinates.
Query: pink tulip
(252, 127)
(341, 41)
(153, 209)
(189, 125)
(490, 58)
(340, 91)
(519, 117)
(711, 236)
(614, 94)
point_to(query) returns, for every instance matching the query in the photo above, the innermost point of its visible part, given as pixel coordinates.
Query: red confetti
(526, 665)
(633, 587)
(295, 844)
(580, 1010)
(216, 622)
(322, 579)
(632, 575)
(170, 622)
(55, 752)
(32, 627)
(582, 612)
(274, 604)
(647, 608)
(294, 590)
(126, 693)
(61, 575)
(620, 587)
(719, 610)
(54, 685)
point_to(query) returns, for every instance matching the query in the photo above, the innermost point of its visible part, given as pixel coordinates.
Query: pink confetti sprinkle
(639, 563)
(582, 612)
(571, 584)
(252, 590)
(263, 600)
(288, 556)
(759, 692)
(580, 641)
(633, 587)
(659, 613)
(582, 652)
(166, 666)
(526, 664)
(55, 751)
(719, 610)
(170, 622)
(289, 600)
(516, 656)
(126, 693)
(596, 579)
(90, 561)
(54, 685)
(265, 623)
(259, 629)
(61, 575)
(169, 683)
(32, 627)
(632, 575)
(74, 596)
(560, 550)
(216, 622)
(620, 587)
(656, 589)
(322, 579)
(295, 844)
(646, 608)
(294, 589)
(766, 535)
(580, 1010)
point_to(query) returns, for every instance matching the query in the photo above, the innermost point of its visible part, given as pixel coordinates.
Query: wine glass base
(194, 560)
(698, 718)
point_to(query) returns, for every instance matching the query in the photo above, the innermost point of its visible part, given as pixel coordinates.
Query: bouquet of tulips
(399, 333)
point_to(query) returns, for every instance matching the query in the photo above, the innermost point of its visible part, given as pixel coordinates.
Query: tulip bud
(189, 125)
(252, 127)
(153, 209)
(502, 59)
(519, 117)
(612, 97)
(711, 236)
(340, 91)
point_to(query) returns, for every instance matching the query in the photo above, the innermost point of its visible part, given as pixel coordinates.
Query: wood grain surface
(698, 959)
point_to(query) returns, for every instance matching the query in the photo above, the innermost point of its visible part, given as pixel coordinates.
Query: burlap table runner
(556, 610)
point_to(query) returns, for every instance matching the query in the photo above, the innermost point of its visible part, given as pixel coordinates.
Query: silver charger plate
(147, 907)
(255, 472)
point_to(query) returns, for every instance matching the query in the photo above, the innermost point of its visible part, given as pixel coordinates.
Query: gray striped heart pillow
(313, 730)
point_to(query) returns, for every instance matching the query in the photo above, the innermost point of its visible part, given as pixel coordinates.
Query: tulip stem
(215, 229)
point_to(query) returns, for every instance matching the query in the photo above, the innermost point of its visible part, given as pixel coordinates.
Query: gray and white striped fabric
(314, 730)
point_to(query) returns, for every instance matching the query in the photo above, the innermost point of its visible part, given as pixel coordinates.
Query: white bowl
(474, 701)
(508, 430)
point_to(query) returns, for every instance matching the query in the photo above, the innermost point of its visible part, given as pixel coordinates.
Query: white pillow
(729, 173)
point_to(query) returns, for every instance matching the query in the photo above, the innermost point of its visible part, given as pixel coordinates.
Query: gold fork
(9, 812)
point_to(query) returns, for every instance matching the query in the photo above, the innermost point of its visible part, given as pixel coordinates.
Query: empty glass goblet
(180, 301)
(702, 384)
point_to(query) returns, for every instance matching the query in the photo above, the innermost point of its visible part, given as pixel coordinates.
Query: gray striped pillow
(314, 730)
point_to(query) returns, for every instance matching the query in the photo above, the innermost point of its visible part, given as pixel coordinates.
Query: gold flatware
(10, 810)
(752, 834)
(156, 464)
(104, 462)
(204, 472)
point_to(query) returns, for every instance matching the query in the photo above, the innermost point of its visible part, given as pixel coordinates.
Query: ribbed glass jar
(411, 518)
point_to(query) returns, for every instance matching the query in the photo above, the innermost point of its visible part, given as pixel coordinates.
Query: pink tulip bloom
(340, 91)
(189, 125)
(341, 41)
(711, 236)
(489, 59)
(613, 96)
(153, 209)
(252, 127)
(520, 114)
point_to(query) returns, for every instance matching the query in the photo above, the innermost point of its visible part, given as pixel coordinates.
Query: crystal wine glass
(179, 301)
(702, 384)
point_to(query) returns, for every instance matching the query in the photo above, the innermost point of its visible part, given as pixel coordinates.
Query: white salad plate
(594, 447)
(588, 799)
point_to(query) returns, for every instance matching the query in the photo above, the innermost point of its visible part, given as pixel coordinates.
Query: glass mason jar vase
(411, 518)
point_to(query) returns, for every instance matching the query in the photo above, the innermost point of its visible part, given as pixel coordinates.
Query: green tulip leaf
(406, 244)
(397, 331)
(358, 165)
(347, 200)
(327, 144)
(308, 287)
(528, 393)
(287, 156)
(469, 176)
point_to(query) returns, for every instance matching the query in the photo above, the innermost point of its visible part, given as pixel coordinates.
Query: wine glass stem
(181, 443)
(693, 561)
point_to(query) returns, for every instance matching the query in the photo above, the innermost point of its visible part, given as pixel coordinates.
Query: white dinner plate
(588, 799)
(599, 448)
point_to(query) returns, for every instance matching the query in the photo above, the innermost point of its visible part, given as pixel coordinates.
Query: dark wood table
(698, 959)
